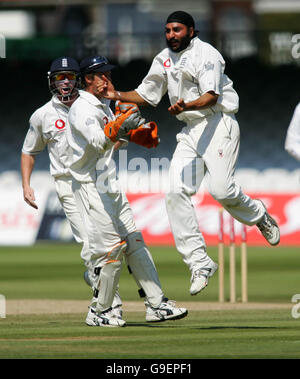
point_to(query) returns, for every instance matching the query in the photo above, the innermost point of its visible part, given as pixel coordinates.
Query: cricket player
(92, 132)
(48, 128)
(292, 141)
(202, 96)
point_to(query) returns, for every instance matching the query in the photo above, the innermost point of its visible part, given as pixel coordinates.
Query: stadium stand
(268, 97)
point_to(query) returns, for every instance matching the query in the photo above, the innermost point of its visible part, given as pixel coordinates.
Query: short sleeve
(154, 85)
(211, 73)
(34, 142)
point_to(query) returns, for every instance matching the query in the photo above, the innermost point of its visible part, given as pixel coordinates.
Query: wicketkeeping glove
(122, 107)
(124, 123)
(145, 135)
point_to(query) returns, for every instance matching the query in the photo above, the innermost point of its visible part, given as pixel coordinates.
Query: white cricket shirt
(189, 74)
(292, 141)
(86, 120)
(48, 128)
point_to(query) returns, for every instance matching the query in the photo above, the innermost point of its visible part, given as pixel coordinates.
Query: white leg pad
(117, 299)
(109, 277)
(143, 268)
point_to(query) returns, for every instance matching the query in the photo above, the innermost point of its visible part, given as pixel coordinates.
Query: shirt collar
(57, 103)
(91, 98)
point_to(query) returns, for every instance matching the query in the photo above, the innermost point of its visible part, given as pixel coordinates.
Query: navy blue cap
(64, 64)
(95, 64)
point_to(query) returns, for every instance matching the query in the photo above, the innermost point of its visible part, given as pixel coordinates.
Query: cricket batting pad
(117, 301)
(109, 277)
(143, 268)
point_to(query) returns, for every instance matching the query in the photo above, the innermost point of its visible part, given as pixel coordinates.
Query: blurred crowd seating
(268, 96)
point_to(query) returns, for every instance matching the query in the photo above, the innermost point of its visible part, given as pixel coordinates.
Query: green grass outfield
(50, 275)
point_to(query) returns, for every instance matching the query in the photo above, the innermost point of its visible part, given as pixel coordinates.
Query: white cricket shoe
(269, 228)
(166, 311)
(105, 319)
(200, 277)
(117, 312)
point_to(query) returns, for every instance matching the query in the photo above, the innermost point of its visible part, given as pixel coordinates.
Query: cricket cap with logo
(95, 64)
(64, 64)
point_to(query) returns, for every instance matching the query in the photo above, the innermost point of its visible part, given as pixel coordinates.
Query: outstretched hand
(105, 88)
(110, 92)
(29, 197)
(178, 107)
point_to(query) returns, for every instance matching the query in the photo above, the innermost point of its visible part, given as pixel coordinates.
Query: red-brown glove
(145, 135)
(122, 107)
(124, 123)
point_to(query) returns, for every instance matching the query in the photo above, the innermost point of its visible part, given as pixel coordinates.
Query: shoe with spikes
(199, 279)
(166, 311)
(105, 319)
(269, 228)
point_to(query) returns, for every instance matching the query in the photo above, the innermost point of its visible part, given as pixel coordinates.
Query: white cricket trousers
(107, 217)
(109, 220)
(63, 186)
(208, 148)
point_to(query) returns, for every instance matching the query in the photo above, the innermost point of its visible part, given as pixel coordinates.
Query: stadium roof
(40, 3)
(276, 6)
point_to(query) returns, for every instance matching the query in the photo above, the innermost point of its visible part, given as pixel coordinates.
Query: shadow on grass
(234, 327)
(169, 325)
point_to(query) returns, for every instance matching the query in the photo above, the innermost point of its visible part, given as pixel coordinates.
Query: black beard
(185, 41)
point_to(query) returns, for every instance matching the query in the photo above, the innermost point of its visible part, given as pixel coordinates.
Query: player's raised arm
(128, 97)
(27, 164)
